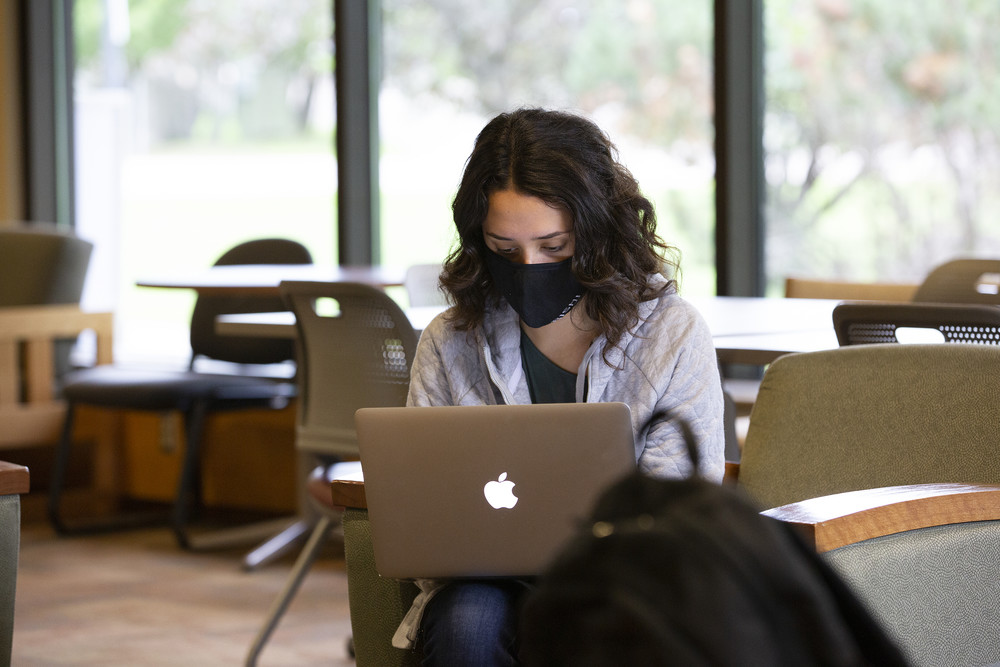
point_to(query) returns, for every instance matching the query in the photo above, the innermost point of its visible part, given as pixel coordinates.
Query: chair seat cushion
(152, 389)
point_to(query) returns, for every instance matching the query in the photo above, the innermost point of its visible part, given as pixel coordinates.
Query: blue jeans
(472, 623)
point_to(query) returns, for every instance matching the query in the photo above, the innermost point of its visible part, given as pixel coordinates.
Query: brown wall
(11, 164)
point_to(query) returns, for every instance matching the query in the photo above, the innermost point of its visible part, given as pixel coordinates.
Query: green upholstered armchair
(925, 559)
(41, 264)
(830, 430)
(870, 416)
(377, 605)
(42, 272)
(14, 481)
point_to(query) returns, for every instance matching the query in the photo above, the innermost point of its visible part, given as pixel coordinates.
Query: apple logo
(500, 493)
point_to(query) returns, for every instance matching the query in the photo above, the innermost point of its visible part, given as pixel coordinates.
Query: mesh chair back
(869, 416)
(356, 348)
(246, 349)
(866, 323)
(962, 281)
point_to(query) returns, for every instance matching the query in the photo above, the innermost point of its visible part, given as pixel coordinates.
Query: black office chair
(859, 323)
(192, 393)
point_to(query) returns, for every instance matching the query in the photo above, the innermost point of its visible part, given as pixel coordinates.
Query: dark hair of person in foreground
(689, 573)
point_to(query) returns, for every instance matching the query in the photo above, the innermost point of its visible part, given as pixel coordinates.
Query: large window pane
(881, 136)
(199, 124)
(640, 68)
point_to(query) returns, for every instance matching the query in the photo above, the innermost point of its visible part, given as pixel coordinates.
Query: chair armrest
(13, 479)
(348, 486)
(834, 521)
(30, 412)
(32, 322)
(732, 474)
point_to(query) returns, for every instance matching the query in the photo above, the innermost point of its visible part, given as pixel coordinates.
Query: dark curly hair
(568, 162)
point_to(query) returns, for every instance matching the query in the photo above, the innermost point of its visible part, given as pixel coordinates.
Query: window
(642, 69)
(881, 137)
(198, 125)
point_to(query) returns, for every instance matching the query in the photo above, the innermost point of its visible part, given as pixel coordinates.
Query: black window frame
(47, 49)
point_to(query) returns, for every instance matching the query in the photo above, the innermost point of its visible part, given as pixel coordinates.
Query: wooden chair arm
(26, 323)
(834, 521)
(13, 479)
(29, 410)
(53, 321)
(349, 493)
(348, 485)
(732, 474)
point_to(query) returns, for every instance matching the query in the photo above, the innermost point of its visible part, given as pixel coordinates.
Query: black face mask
(539, 293)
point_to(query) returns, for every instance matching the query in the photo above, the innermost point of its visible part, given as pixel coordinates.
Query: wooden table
(761, 349)
(747, 315)
(745, 330)
(758, 330)
(264, 279)
(282, 324)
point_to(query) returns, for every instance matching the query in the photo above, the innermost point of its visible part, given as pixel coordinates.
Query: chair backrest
(872, 322)
(355, 349)
(41, 264)
(924, 558)
(869, 416)
(245, 349)
(378, 604)
(811, 288)
(962, 281)
(935, 590)
(422, 287)
(14, 481)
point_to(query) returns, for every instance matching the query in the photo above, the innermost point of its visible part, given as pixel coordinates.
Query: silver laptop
(485, 491)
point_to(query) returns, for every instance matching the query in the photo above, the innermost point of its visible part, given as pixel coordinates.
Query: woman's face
(527, 230)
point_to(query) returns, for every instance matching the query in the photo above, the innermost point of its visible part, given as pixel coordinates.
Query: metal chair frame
(355, 354)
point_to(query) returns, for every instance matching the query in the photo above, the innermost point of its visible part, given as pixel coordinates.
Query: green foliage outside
(882, 148)
(882, 141)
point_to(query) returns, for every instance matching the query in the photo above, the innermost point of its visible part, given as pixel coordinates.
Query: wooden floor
(135, 598)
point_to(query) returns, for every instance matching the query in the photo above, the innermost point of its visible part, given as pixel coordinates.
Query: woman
(559, 295)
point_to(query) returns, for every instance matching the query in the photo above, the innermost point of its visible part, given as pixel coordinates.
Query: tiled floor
(135, 598)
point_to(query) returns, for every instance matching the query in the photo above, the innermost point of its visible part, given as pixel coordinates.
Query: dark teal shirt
(547, 382)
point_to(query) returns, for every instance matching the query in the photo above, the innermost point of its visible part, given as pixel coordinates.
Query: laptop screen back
(485, 491)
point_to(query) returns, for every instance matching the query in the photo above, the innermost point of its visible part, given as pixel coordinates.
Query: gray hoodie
(665, 369)
(665, 365)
